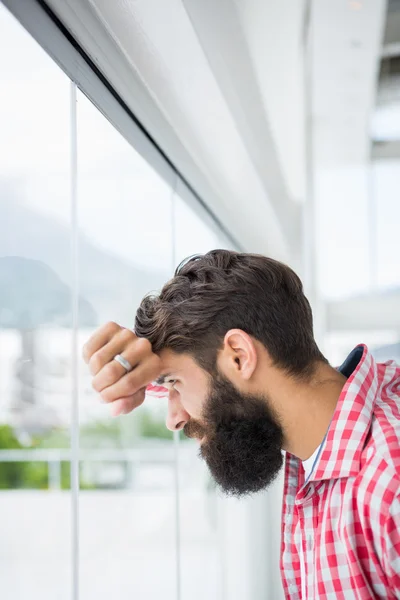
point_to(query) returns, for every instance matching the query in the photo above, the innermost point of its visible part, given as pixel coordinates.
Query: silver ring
(123, 362)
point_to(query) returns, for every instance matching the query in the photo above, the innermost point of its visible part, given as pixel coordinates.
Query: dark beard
(243, 439)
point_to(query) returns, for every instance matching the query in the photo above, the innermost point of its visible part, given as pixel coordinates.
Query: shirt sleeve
(391, 546)
(156, 391)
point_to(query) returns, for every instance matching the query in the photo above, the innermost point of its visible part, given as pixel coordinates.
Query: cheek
(193, 404)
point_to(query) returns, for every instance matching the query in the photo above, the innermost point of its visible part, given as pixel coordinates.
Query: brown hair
(222, 290)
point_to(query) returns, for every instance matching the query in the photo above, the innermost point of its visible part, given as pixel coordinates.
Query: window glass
(193, 234)
(35, 319)
(201, 563)
(200, 527)
(133, 229)
(127, 525)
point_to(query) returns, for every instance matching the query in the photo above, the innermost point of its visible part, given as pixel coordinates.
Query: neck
(305, 408)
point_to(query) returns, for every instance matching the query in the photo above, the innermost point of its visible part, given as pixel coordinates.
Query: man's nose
(177, 415)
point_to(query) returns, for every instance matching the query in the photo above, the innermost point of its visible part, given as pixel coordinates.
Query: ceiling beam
(376, 311)
(129, 42)
(386, 149)
(220, 33)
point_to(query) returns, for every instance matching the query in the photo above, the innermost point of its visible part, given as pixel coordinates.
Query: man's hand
(124, 390)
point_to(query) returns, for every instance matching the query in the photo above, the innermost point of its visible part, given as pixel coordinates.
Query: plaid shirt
(344, 522)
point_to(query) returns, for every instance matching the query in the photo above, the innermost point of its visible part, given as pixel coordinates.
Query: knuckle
(126, 335)
(111, 327)
(143, 345)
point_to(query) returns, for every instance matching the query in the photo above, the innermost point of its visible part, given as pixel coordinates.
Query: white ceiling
(220, 86)
(347, 38)
(166, 59)
(375, 311)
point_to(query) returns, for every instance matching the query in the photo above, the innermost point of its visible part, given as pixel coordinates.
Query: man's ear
(238, 357)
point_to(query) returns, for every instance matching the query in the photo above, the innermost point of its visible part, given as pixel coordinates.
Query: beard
(242, 439)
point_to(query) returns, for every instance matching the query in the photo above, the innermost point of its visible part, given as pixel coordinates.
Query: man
(231, 337)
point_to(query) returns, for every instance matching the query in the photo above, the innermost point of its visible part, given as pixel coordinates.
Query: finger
(137, 354)
(132, 382)
(100, 337)
(123, 406)
(118, 407)
(116, 345)
(109, 374)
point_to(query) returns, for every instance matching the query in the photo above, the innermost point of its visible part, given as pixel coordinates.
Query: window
(194, 234)
(201, 568)
(35, 319)
(132, 229)
(127, 525)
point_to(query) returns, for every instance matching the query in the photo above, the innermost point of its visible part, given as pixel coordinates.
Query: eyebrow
(162, 378)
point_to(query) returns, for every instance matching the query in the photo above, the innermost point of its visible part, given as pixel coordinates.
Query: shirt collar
(341, 450)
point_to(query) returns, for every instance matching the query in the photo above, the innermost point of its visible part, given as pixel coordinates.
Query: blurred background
(133, 134)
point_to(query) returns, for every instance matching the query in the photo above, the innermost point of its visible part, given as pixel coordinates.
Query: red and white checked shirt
(346, 518)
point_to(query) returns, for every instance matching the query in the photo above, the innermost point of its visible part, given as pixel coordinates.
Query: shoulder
(383, 445)
(378, 481)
